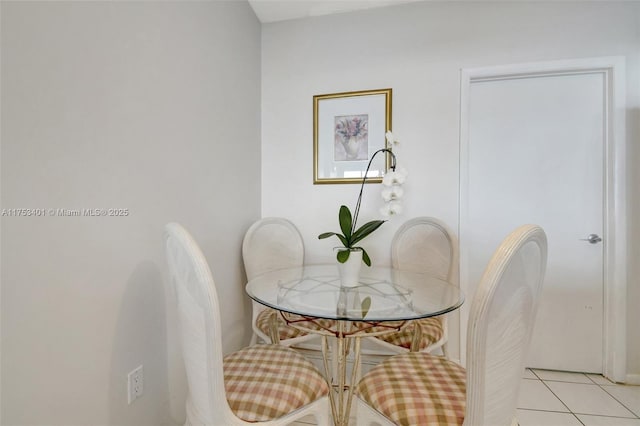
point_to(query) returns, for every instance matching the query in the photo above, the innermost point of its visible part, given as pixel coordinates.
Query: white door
(535, 155)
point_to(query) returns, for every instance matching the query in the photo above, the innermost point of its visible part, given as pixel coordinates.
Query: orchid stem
(356, 212)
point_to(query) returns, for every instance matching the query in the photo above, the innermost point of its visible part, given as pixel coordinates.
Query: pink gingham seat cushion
(264, 382)
(432, 331)
(286, 331)
(263, 322)
(416, 389)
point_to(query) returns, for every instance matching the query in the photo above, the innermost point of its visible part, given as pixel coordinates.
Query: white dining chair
(270, 384)
(422, 389)
(272, 243)
(426, 245)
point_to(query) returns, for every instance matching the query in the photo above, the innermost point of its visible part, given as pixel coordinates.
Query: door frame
(615, 189)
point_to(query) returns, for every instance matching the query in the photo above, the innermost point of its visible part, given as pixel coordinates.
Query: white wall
(418, 50)
(149, 106)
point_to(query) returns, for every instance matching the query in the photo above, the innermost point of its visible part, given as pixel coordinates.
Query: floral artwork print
(351, 142)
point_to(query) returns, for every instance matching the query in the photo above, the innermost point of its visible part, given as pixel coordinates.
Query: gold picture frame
(348, 128)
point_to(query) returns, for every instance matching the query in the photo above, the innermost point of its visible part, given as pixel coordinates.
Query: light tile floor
(558, 398)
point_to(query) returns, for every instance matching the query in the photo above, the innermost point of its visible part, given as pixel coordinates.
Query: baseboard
(633, 379)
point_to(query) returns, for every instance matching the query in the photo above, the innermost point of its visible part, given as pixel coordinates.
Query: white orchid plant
(391, 193)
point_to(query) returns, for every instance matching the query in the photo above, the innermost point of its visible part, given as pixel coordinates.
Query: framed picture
(347, 129)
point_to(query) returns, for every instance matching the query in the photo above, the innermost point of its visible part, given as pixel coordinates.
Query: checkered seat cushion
(286, 331)
(264, 382)
(416, 389)
(432, 331)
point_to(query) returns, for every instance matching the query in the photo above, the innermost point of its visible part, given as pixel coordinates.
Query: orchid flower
(392, 193)
(394, 177)
(391, 139)
(391, 209)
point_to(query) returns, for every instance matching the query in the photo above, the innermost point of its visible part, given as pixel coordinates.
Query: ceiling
(281, 10)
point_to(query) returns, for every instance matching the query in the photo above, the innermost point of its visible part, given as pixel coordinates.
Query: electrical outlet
(135, 384)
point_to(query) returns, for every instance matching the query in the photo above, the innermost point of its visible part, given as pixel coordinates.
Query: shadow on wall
(633, 225)
(141, 339)
(246, 329)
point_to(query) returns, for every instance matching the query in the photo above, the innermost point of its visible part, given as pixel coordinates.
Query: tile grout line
(548, 411)
(561, 401)
(593, 382)
(619, 402)
(565, 405)
(571, 412)
(603, 387)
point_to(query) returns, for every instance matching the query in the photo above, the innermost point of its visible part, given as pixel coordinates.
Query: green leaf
(365, 230)
(365, 305)
(365, 257)
(344, 216)
(343, 240)
(343, 255)
(326, 235)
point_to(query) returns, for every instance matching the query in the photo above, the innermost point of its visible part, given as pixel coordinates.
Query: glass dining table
(385, 300)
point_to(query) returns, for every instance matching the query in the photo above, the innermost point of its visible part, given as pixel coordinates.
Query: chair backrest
(425, 244)
(199, 318)
(500, 325)
(271, 243)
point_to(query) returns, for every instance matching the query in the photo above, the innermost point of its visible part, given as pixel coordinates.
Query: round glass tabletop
(382, 294)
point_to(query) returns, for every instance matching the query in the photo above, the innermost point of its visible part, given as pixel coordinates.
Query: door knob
(593, 239)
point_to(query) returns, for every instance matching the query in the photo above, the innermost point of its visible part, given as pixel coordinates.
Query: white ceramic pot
(350, 270)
